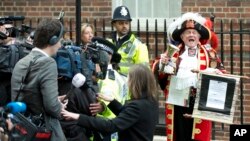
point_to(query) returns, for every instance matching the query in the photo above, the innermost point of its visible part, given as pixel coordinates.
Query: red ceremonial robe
(197, 129)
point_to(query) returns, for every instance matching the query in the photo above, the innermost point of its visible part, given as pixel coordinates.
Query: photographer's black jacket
(134, 122)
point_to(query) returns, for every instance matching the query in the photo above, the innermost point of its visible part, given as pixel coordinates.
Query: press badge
(111, 75)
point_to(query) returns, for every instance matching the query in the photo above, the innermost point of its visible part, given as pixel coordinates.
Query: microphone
(13, 18)
(15, 107)
(16, 18)
(77, 81)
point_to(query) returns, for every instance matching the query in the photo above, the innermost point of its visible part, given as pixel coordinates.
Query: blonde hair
(85, 25)
(142, 83)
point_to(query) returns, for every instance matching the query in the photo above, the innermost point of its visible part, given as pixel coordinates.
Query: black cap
(108, 47)
(104, 44)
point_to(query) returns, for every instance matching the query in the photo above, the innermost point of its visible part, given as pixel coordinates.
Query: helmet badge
(124, 11)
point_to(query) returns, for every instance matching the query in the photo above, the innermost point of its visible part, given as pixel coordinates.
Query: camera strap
(25, 76)
(43, 115)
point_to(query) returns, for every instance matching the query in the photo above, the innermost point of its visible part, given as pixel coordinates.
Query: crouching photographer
(94, 61)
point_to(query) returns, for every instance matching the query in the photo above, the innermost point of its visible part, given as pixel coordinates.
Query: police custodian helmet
(121, 13)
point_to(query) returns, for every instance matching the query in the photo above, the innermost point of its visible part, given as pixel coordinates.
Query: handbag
(28, 127)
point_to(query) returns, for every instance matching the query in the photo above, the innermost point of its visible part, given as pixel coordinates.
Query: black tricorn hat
(188, 21)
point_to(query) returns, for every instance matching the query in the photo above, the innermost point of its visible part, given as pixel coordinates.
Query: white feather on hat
(177, 24)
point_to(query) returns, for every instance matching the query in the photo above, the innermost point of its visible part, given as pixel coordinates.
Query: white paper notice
(216, 94)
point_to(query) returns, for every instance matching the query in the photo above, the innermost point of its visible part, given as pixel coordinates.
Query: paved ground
(160, 138)
(164, 138)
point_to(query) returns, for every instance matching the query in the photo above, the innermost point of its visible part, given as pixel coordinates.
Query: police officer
(114, 84)
(131, 49)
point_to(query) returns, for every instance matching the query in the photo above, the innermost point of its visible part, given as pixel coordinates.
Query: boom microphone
(12, 18)
(77, 81)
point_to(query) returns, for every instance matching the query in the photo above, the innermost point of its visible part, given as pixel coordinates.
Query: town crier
(178, 77)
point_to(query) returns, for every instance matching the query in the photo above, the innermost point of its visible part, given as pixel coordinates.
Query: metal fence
(226, 51)
(233, 52)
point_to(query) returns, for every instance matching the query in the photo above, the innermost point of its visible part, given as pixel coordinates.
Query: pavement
(160, 138)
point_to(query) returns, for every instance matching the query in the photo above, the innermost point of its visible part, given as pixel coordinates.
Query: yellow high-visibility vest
(132, 51)
(118, 88)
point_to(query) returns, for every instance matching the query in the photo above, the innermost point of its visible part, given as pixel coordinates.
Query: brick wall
(225, 10)
(34, 9)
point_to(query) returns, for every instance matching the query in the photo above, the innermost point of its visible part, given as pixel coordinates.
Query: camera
(15, 42)
(7, 21)
(97, 52)
(3, 36)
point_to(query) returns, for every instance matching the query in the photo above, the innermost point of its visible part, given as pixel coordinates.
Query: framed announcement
(216, 97)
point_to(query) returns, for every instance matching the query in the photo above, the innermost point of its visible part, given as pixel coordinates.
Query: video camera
(10, 19)
(97, 52)
(3, 36)
(13, 31)
(8, 111)
(15, 42)
(25, 29)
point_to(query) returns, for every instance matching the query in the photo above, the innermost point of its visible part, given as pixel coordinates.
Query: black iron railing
(103, 29)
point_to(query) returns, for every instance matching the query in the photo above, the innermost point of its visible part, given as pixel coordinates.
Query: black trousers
(183, 126)
(5, 89)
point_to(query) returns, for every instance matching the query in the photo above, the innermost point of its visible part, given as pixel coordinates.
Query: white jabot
(185, 78)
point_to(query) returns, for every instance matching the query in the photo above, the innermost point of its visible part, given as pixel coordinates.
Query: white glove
(169, 69)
